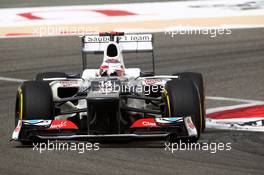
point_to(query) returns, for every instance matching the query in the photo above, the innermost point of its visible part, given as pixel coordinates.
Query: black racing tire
(197, 78)
(182, 99)
(34, 101)
(43, 75)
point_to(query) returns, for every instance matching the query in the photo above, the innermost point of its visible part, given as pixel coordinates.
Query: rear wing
(129, 43)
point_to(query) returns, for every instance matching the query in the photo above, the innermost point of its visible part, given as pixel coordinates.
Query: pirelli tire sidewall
(35, 101)
(182, 99)
(197, 78)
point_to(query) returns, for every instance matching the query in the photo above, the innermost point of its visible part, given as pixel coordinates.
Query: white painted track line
(11, 79)
(218, 109)
(233, 99)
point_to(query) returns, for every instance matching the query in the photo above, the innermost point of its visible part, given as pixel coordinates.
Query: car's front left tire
(181, 99)
(197, 78)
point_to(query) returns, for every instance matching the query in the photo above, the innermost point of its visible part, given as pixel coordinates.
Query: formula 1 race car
(111, 102)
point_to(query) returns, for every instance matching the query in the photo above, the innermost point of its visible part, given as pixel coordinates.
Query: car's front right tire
(34, 102)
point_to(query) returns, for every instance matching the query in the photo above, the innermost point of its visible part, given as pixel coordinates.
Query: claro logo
(146, 123)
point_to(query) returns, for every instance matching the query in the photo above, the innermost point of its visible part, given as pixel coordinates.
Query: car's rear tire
(197, 78)
(43, 75)
(182, 99)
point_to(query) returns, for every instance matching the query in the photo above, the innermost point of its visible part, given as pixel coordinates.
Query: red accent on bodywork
(190, 123)
(62, 124)
(104, 67)
(18, 127)
(145, 123)
(111, 33)
(248, 112)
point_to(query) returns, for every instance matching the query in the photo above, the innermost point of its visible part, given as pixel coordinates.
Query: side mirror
(147, 74)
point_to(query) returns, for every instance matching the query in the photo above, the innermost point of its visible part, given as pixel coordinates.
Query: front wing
(142, 129)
